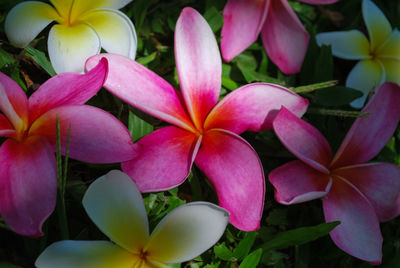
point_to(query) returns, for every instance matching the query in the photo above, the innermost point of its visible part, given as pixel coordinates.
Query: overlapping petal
(7, 108)
(6, 129)
(10, 90)
(392, 69)
(391, 47)
(80, 7)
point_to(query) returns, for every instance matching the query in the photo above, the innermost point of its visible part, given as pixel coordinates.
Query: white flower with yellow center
(84, 27)
(379, 57)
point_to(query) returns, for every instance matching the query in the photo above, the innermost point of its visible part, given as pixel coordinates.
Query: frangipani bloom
(356, 193)
(28, 180)
(284, 37)
(379, 58)
(115, 205)
(84, 27)
(203, 131)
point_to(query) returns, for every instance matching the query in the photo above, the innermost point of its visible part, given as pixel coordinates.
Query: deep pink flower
(356, 193)
(28, 181)
(283, 35)
(204, 132)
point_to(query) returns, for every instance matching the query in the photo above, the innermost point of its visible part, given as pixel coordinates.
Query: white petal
(115, 205)
(391, 48)
(392, 70)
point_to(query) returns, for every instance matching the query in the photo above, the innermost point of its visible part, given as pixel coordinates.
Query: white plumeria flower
(116, 206)
(379, 57)
(85, 26)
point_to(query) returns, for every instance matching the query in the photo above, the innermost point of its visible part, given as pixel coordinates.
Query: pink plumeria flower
(356, 193)
(204, 132)
(284, 37)
(84, 27)
(379, 58)
(116, 206)
(28, 180)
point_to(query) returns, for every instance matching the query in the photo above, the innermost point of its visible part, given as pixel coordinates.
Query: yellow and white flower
(84, 27)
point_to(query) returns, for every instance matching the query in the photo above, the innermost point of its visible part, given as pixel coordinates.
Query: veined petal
(140, 87)
(116, 31)
(235, 171)
(253, 107)
(367, 136)
(96, 136)
(67, 89)
(243, 21)
(164, 160)
(379, 182)
(358, 233)
(391, 47)
(28, 184)
(303, 140)
(187, 231)
(26, 20)
(70, 46)
(284, 37)
(198, 64)
(392, 69)
(296, 182)
(115, 205)
(318, 2)
(350, 45)
(85, 254)
(378, 26)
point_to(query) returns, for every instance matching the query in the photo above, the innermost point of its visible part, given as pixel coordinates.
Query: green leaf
(139, 9)
(40, 58)
(277, 217)
(223, 253)
(245, 245)
(138, 127)
(8, 265)
(336, 96)
(147, 59)
(252, 260)
(323, 70)
(5, 59)
(214, 19)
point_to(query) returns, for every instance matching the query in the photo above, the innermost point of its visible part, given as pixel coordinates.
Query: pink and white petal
(365, 76)
(391, 47)
(186, 232)
(15, 95)
(115, 29)
(350, 45)
(234, 169)
(143, 89)
(243, 21)
(67, 89)
(284, 37)
(198, 64)
(253, 107)
(296, 182)
(164, 159)
(358, 233)
(392, 69)
(69, 47)
(28, 184)
(379, 182)
(115, 205)
(85, 254)
(96, 136)
(7, 108)
(303, 140)
(367, 136)
(319, 2)
(26, 20)
(378, 26)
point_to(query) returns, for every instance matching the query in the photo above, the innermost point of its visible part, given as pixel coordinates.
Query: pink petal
(28, 184)
(6, 129)
(379, 182)
(284, 37)
(143, 89)
(198, 63)
(67, 89)
(243, 21)
(253, 107)
(235, 171)
(296, 182)
(318, 2)
(165, 159)
(303, 140)
(367, 136)
(358, 233)
(96, 136)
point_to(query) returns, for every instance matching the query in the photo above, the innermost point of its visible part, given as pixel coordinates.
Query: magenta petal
(243, 21)
(235, 171)
(15, 95)
(6, 129)
(253, 107)
(67, 89)
(368, 135)
(284, 37)
(303, 140)
(164, 160)
(198, 64)
(296, 182)
(358, 233)
(96, 136)
(28, 184)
